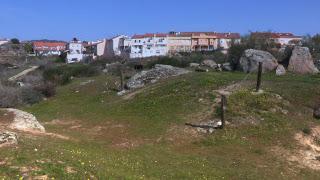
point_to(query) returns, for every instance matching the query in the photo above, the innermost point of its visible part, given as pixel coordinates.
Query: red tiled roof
(41, 45)
(183, 34)
(275, 35)
(137, 36)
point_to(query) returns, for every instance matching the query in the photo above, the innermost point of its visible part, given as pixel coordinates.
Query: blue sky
(96, 19)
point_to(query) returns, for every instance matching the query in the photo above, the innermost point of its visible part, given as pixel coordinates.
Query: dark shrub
(168, 61)
(47, 89)
(235, 53)
(306, 131)
(9, 96)
(30, 96)
(62, 74)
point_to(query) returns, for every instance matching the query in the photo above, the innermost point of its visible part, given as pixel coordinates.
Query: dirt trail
(23, 73)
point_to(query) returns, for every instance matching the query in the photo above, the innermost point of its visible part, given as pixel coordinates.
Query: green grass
(240, 151)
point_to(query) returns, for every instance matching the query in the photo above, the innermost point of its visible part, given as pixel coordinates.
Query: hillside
(142, 135)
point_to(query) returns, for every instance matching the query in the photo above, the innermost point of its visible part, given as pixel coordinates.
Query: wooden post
(259, 77)
(121, 79)
(223, 109)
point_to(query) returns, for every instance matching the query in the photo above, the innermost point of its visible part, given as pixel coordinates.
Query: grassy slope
(233, 153)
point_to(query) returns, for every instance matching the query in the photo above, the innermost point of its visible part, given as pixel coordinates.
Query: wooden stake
(259, 77)
(223, 109)
(121, 79)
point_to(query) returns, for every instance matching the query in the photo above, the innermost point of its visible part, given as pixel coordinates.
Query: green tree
(28, 48)
(15, 41)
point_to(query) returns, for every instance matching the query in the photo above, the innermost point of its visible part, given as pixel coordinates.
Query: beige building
(179, 42)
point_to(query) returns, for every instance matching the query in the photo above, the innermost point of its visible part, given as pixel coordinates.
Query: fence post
(259, 77)
(223, 109)
(121, 79)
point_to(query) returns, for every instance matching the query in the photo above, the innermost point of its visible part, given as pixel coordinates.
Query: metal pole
(259, 77)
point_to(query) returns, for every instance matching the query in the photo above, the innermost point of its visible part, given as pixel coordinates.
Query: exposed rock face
(8, 138)
(301, 61)
(251, 58)
(280, 70)
(316, 113)
(210, 63)
(24, 121)
(151, 76)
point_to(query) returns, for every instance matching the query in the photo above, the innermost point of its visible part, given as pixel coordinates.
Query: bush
(235, 53)
(168, 61)
(306, 131)
(30, 96)
(10, 96)
(62, 74)
(47, 89)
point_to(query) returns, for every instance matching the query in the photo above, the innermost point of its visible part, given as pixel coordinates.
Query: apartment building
(148, 45)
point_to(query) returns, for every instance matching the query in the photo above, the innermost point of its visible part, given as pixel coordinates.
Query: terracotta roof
(275, 35)
(41, 45)
(186, 34)
(137, 36)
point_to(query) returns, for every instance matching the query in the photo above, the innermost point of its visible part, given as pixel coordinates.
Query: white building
(149, 45)
(75, 52)
(115, 46)
(102, 48)
(3, 41)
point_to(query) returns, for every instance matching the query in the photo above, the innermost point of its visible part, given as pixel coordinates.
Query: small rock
(194, 65)
(121, 93)
(316, 113)
(210, 63)
(8, 138)
(280, 70)
(226, 67)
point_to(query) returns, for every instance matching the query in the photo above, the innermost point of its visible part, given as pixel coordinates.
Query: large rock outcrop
(24, 121)
(151, 76)
(251, 58)
(301, 61)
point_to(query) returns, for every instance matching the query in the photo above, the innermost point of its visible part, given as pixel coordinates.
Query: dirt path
(23, 73)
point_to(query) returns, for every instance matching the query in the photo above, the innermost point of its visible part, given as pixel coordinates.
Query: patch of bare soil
(5, 118)
(308, 152)
(117, 134)
(132, 94)
(180, 135)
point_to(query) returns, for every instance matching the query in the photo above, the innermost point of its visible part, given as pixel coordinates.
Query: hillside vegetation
(142, 135)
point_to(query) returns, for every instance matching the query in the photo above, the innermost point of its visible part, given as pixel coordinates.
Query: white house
(75, 51)
(102, 48)
(149, 45)
(115, 46)
(3, 41)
